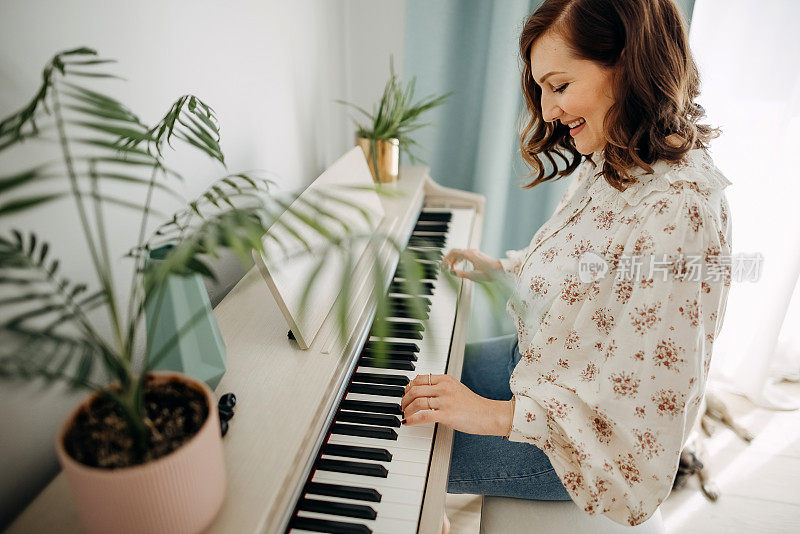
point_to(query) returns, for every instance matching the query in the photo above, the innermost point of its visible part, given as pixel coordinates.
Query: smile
(576, 127)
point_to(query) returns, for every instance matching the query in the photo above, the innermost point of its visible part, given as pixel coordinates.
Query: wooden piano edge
(433, 505)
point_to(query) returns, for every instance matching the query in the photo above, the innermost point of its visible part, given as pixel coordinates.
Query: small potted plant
(143, 453)
(387, 129)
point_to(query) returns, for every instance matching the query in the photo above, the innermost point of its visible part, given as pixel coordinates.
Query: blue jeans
(492, 465)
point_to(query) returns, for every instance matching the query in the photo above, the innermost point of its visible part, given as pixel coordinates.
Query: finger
(471, 254)
(415, 392)
(422, 417)
(452, 257)
(422, 380)
(464, 274)
(419, 404)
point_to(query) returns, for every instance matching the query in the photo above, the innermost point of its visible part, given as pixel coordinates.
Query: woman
(593, 398)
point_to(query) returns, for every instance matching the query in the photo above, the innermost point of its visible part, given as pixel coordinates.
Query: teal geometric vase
(183, 307)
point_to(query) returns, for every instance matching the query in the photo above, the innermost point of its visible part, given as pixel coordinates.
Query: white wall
(270, 69)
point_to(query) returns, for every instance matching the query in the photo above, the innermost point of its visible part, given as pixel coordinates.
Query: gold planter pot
(383, 156)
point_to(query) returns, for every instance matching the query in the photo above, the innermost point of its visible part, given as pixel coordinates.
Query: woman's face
(577, 89)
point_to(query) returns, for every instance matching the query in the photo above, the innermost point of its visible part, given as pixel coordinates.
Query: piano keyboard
(371, 472)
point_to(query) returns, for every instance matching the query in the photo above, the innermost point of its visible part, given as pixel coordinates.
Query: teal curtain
(470, 47)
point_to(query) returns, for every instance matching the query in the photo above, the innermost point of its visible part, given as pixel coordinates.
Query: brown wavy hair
(654, 82)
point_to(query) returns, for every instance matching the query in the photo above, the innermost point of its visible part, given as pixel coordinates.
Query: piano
(316, 444)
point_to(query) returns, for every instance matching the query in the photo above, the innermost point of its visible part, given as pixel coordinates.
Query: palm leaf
(23, 123)
(29, 353)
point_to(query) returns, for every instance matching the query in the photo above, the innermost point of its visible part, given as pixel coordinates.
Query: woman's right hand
(484, 266)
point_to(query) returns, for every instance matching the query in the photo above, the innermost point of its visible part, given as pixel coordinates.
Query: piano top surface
(283, 394)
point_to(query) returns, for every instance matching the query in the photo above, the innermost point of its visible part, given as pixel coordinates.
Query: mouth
(576, 126)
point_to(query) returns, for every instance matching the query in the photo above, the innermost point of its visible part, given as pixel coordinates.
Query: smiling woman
(593, 398)
(623, 68)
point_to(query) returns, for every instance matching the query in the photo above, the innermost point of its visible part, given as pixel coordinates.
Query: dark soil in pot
(98, 436)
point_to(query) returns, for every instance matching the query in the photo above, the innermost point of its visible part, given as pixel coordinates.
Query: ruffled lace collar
(696, 167)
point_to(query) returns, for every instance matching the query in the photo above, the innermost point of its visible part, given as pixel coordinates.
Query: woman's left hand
(455, 405)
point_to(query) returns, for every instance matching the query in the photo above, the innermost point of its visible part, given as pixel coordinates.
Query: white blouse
(614, 364)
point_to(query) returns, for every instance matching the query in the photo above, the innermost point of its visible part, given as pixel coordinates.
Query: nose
(550, 111)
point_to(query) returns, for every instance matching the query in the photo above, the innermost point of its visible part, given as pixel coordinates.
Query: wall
(271, 70)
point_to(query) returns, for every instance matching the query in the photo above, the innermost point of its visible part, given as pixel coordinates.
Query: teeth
(576, 123)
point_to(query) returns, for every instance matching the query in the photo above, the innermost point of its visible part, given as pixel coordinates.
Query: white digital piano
(316, 444)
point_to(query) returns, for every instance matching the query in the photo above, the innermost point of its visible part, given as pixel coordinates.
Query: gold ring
(429, 379)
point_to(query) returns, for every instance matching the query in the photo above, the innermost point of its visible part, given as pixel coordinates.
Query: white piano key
(396, 466)
(378, 526)
(383, 509)
(435, 340)
(382, 371)
(406, 482)
(398, 453)
(419, 431)
(372, 398)
(403, 442)
(418, 437)
(388, 494)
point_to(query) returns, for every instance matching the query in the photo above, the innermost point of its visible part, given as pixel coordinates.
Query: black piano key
(425, 242)
(377, 378)
(429, 240)
(344, 492)
(331, 527)
(437, 216)
(406, 299)
(354, 451)
(429, 270)
(359, 511)
(411, 326)
(397, 286)
(393, 345)
(354, 468)
(426, 254)
(368, 419)
(404, 329)
(425, 226)
(379, 432)
(390, 354)
(371, 406)
(376, 389)
(437, 239)
(406, 308)
(383, 363)
(408, 313)
(401, 329)
(399, 304)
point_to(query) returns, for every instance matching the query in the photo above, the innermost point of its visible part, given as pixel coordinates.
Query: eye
(561, 89)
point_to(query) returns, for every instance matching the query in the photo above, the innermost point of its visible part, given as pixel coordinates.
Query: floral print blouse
(614, 366)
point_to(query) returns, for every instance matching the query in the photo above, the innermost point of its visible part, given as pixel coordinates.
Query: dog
(712, 411)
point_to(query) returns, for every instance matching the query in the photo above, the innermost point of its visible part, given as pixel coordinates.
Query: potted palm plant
(387, 130)
(143, 453)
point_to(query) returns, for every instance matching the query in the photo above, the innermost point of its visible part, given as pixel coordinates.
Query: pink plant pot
(177, 493)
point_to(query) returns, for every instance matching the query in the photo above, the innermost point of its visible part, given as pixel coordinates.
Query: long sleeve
(513, 260)
(610, 383)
